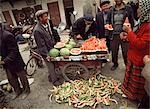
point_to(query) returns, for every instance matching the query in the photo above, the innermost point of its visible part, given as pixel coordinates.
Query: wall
(22, 4)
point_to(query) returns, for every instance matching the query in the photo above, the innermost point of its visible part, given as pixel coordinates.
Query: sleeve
(75, 28)
(93, 29)
(139, 43)
(12, 49)
(40, 43)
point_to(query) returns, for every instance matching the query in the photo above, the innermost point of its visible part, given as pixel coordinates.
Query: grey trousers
(51, 70)
(13, 80)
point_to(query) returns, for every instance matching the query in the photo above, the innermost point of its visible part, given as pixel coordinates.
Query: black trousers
(13, 80)
(115, 43)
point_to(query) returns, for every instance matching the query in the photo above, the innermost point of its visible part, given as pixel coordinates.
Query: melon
(72, 40)
(75, 51)
(59, 45)
(54, 52)
(69, 46)
(64, 52)
(72, 43)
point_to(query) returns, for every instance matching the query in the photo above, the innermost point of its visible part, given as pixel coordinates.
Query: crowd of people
(135, 45)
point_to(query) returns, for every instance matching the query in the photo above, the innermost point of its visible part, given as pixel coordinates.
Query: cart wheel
(73, 71)
(31, 66)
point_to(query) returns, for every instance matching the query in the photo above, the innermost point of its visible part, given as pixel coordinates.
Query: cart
(82, 66)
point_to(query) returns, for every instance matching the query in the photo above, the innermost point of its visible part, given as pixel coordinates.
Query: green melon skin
(54, 52)
(69, 46)
(64, 52)
(72, 43)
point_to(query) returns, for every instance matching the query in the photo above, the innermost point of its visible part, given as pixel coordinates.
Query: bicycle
(35, 59)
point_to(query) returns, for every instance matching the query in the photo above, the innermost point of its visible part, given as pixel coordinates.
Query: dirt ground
(38, 98)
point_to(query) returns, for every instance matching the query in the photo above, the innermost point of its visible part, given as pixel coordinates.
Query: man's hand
(123, 35)
(48, 58)
(2, 62)
(146, 59)
(79, 36)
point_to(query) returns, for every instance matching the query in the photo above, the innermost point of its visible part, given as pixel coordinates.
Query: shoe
(57, 83)
(24, 95)
(114, 67)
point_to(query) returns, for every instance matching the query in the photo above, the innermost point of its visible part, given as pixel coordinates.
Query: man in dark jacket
(116, 18)
(13, 63)
(46, 38)
(101, 18)
(84, 27)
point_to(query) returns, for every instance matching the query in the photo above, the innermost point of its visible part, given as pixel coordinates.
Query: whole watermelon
(69, 46)
(72, 43)
(64, 52)
(54, 52)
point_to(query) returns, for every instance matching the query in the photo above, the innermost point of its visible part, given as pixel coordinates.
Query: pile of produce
(81, 93)
(62, 48)
(94, 44)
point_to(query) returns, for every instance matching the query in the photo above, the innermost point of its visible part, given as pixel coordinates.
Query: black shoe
(57, 83)
(114, 67)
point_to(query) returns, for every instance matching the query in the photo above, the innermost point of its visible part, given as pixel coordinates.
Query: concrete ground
(38, 98)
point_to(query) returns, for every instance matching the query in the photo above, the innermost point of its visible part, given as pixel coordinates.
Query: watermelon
(75, 51)
(54, 52)
(72, 40)
(69, 46)
(72, 43)
(64, 52)
(59, 45)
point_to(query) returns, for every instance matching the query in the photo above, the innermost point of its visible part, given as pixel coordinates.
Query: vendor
(84, 27)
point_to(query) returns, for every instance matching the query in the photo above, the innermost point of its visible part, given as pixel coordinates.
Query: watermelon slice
(126, 22)
(75, 51)
(59, 45)
(109, 27)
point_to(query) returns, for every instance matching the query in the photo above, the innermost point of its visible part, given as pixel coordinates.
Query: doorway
(54, 12)
(68, 6)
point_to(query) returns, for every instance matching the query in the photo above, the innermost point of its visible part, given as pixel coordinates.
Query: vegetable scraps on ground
(81, 93)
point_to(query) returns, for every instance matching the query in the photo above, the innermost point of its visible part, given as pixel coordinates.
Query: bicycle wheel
(75, 71)
(31, 66)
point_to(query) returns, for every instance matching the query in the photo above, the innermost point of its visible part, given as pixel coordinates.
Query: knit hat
(103, 2)
(89, 17)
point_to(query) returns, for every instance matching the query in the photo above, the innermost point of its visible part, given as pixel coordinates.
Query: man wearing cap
(45, 38)
(116, 18)
(83, 27)
(101, 18)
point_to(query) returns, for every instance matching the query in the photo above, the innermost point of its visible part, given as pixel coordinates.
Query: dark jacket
(128, 12)
(10, 53)
(44, 40)
(79, 26)
(100, 25)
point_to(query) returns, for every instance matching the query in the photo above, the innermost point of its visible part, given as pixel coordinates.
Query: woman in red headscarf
(133, 85)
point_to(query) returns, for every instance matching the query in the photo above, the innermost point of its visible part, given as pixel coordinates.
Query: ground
(38, 98)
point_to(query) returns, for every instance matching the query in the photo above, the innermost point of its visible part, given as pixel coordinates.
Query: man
(84, 27)
(116, 18)
(101, 18)
(45, 38)
(13, 63)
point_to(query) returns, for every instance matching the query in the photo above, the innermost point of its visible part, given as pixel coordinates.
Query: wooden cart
(80, 66)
